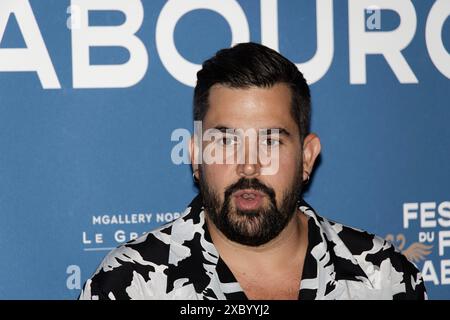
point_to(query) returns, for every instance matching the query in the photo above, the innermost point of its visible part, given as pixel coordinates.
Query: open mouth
(248, 199)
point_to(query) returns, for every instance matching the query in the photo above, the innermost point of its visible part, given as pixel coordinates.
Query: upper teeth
(248, 195)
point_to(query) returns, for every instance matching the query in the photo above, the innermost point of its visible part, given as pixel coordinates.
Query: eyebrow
(281, 131)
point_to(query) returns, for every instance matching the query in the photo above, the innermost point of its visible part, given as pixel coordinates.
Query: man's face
(246, 206)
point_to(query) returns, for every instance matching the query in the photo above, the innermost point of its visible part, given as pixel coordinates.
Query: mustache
(253, 183)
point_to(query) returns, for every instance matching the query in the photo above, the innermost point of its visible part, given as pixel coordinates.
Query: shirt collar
(322, 267)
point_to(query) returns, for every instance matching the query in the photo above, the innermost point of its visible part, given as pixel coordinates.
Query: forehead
(252, 107)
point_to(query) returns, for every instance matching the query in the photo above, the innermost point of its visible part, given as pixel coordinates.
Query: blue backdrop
(91, 91)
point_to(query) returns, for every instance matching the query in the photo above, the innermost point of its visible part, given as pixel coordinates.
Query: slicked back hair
(249, 65)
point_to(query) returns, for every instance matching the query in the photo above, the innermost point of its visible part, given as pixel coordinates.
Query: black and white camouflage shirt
(179, 261)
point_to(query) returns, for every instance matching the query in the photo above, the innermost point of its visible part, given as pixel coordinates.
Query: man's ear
(311, 149)
(194, 155)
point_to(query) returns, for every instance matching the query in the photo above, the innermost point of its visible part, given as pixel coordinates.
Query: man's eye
(271, 142)
(228, 141)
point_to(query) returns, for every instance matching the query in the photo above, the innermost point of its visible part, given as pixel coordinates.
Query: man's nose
(250, 167)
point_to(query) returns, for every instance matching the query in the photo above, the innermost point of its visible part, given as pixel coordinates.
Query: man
(249, 234)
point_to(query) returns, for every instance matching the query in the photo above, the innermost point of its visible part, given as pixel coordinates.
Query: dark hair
(251, 64)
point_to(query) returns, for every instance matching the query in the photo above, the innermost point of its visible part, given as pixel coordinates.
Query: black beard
(250, 227)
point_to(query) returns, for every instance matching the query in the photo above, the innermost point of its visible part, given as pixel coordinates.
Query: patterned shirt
(180, 261)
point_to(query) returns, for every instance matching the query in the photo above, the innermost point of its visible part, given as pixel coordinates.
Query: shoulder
(139, 268)
(381, 262)
(148, 267)
(129, 264)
